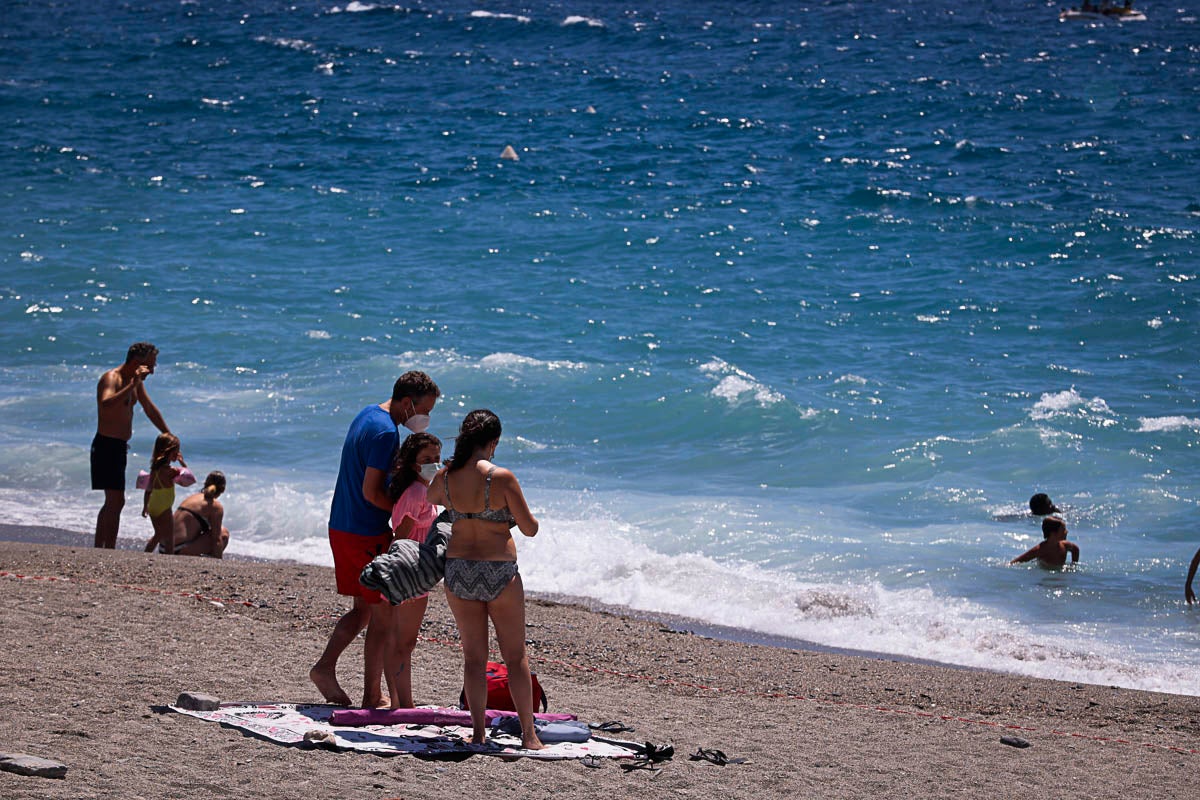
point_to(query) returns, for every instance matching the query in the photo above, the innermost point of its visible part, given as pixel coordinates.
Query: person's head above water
(1052, 526)
(1041, 505)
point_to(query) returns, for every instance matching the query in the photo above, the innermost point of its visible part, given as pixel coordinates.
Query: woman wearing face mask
(416, 462)
(482, 582)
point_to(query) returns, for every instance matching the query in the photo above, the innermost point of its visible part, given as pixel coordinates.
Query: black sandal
(641, 762)
(648, 755)
(656, 753)
(715, 756)
(610, 727)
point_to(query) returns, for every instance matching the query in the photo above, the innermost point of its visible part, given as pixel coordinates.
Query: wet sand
(94, 640)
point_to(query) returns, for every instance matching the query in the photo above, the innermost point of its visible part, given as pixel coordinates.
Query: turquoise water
(786, 308)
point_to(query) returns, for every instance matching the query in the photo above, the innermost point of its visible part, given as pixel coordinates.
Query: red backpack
(498, 696)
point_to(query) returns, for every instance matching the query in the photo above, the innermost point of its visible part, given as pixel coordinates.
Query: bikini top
(201, 520)
(488, 514)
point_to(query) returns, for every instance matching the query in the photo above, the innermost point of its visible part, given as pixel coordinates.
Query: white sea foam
(734, 384)
(513, 361)
(611, 564)
(67, 509)
(290, 44)
(531, 445)
(497, 15)
(1160, 424)
(355, 7)
(1069, 402)
(580, 20)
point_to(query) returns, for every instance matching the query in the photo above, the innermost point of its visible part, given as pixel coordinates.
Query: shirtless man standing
(116, 394)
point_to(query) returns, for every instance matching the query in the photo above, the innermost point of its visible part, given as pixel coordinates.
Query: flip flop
(641, 762)
(649, 755)
(612, 726)
(714, 756)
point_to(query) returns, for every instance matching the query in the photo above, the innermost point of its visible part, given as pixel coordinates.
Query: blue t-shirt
(371, 442)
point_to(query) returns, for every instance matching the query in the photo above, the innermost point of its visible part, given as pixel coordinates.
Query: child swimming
(1052, 552)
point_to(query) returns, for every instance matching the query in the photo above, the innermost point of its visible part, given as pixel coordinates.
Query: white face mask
(428, 471)
(417, 423)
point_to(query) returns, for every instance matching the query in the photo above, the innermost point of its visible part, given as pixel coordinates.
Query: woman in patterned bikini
(482, 581)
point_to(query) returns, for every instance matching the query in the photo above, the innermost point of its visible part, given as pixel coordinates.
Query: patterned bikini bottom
(478, 580)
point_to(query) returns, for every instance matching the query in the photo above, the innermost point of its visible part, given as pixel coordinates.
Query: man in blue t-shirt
(360, 529)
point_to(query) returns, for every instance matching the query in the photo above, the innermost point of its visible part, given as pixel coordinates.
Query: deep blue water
(786, 307)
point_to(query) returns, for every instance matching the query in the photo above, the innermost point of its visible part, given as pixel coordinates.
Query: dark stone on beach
(195, 701)
(1014, 741)
(23, 764)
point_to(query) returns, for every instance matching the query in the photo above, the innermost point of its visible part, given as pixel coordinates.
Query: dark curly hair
(404, 463)
(478, 428)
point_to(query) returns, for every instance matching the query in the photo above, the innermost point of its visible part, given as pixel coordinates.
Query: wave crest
(1160, 424)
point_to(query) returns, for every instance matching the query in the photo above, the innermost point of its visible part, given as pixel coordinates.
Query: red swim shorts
(352, 552)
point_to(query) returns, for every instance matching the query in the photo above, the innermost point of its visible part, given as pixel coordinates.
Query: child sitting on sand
(1052, 552)
(416, 462)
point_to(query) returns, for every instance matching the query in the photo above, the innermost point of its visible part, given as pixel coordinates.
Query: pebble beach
(98, 641)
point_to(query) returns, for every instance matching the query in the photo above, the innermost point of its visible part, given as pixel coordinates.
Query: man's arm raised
(152, 412)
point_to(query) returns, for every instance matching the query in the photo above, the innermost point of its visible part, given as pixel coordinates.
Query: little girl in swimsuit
(482, 581)
(416, 462)
(160, 490)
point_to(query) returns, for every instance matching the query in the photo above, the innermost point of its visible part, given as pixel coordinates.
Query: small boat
(1104, 10)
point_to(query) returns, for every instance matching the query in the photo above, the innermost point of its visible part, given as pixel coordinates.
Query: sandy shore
(88, 654)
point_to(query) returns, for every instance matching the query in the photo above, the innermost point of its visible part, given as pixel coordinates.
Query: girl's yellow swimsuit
(162, 498)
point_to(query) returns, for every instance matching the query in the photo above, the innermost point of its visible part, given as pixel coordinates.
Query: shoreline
(35, 534)
(113, 634)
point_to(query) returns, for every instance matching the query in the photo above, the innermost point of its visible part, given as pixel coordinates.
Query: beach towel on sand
(303, 725)
(426, 715)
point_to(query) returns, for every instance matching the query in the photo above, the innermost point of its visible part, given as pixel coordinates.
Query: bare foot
(327, 685)
(531, 742)
(374, 702)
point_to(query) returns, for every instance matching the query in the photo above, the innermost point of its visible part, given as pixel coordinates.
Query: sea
(787, 308)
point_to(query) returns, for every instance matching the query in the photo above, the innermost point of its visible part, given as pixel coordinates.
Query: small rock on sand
(196, 701)
(23, 764)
